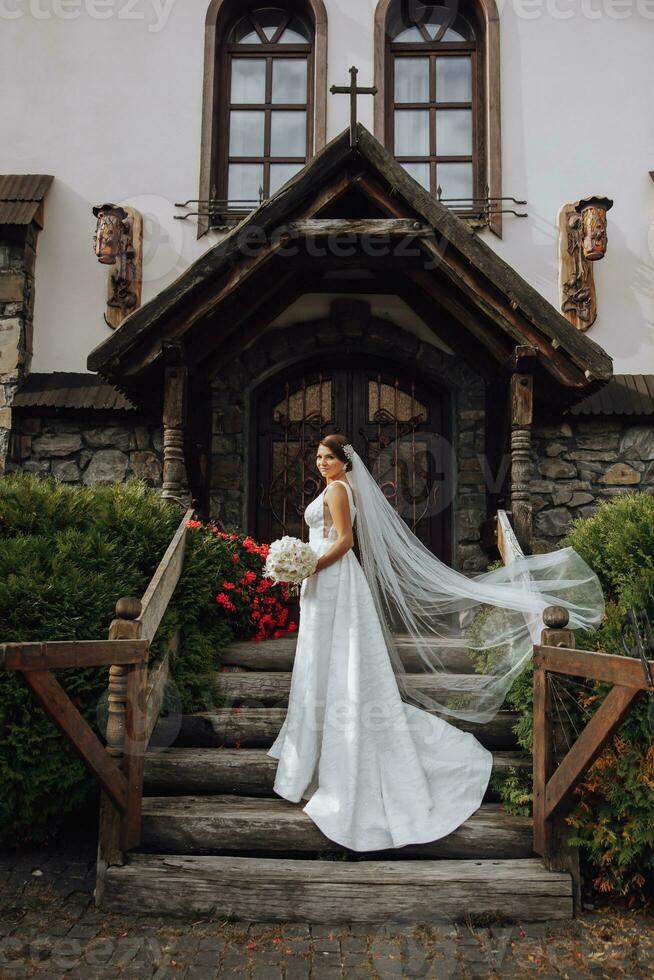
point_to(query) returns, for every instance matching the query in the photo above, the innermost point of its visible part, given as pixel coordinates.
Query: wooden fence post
(550, 834)
(110, 851)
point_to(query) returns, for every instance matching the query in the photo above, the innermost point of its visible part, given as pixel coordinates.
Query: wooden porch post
(522, 416)
(175, 481)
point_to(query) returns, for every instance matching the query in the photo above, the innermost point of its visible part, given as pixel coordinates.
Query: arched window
(266, 115)
(440, 111)
(264, 109)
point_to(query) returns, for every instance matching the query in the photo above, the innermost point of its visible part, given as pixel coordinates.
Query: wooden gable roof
(482, 304)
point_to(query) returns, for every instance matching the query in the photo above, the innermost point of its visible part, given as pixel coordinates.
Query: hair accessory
(349, 451)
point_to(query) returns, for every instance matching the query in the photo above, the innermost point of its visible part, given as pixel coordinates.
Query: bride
(377, 771)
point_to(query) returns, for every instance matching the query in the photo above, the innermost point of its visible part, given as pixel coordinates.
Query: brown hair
(335, 442)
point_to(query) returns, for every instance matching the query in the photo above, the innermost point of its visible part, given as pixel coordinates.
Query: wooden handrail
(554, 785)
(53, 654)
(164, 581)
(135, 697)
(593, 665)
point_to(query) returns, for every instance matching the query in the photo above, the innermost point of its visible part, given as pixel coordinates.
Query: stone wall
(17, 261)
(88, 447)
(579, 462)
(281, 349)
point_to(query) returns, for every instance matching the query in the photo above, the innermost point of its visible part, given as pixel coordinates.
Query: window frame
(221, 18)
(433, 51)
(269, 51)
(483, 17)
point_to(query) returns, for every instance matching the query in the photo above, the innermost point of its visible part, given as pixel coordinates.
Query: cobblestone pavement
(50, 928)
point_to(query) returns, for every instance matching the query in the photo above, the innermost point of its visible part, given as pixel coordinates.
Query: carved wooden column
(175, 481)
(522, 416)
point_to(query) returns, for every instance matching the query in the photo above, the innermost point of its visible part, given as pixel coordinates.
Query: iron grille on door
(395, 423)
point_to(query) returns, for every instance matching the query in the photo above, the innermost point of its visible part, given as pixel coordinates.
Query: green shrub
(67, 553)
(613, 822)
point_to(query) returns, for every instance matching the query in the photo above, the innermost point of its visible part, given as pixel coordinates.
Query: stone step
(259, 889)
(210, 824)
(177, 771)
(273, 655)
(257, 688)
(259, 727)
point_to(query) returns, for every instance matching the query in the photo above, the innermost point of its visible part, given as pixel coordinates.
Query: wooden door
(395, 422)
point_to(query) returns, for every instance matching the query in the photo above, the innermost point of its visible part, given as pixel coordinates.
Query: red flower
(228, 585)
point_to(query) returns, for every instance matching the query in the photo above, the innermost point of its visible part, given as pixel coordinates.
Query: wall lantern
(118, 241)
(582, 241)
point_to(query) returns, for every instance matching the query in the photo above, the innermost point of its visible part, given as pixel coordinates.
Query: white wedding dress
(376, 771)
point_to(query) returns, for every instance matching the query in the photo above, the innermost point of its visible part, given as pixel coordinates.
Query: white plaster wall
(106, 96)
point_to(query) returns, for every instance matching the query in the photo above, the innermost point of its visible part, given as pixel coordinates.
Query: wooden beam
(168, 306)
(61, 710)
(583, 353)
(234, 279)
(458, 271)
(445, 325)
(228, 329)
(51, 655)
(471, 321)
(607, 667)
(601, 727)
(372, 227)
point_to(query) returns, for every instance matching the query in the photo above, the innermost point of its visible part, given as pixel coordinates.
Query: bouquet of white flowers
(290, 560)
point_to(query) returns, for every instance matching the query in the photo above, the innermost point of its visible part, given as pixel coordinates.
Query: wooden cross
(353, 90)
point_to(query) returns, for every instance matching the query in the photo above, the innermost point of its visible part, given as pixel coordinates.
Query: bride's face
(329, 466)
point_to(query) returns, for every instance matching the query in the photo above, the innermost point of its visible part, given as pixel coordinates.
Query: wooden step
(258, 688)
(260, 726)
(176, 771)
(208, 824)
(273, 655)
(285, 890)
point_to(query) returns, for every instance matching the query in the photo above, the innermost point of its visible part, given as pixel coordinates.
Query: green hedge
(613, 822)
(67, 553)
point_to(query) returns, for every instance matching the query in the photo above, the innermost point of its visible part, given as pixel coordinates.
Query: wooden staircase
(217, 840)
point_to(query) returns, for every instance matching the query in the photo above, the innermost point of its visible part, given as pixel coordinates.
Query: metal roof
(625, 394)
(66, 389)
(21, 196)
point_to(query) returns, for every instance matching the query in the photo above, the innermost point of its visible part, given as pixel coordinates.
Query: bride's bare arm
(339, 507)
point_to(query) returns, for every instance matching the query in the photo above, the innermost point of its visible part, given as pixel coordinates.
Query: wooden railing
(134, 702)
(554, 785)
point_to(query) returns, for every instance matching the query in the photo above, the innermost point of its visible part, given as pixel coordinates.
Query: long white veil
(439, 624)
